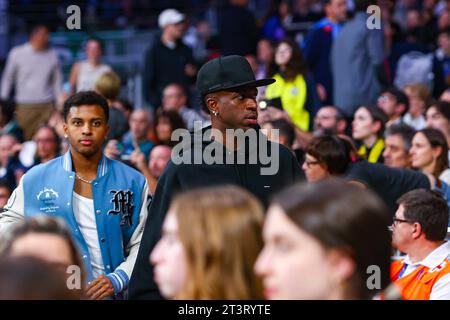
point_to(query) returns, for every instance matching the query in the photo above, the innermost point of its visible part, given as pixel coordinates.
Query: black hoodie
(183, 177)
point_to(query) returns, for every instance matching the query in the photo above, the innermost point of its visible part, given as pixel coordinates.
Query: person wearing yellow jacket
(294, 85)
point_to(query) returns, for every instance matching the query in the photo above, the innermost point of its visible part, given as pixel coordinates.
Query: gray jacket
(356, 52)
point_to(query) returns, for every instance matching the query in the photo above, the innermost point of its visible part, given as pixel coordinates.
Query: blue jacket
(317, 49)
(119, 196)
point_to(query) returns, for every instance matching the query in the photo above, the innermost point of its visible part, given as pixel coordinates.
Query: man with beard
(228, 89)
(329, 120)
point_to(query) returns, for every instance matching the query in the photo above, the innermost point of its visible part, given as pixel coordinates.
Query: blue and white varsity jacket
(119, 195)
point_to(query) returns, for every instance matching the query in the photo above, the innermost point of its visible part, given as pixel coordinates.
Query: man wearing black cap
(228, 90)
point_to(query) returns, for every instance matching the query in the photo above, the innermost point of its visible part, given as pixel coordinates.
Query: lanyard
(402, 271)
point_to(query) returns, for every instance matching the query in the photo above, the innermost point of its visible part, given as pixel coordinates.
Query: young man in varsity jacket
(103, 201)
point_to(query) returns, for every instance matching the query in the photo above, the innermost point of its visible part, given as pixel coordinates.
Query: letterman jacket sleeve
(121, 276)
(13, 210)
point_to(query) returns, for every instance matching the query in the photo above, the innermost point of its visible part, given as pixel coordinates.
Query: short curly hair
(86, 98)
(332, 152)
(430, 209)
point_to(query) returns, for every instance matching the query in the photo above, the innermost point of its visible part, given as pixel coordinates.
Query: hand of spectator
(15, 149)
(111, 149)
(272, 113)
(18, 174)
(321, 92)
(100, 288)
(56, 121)
(275, 114)
(138, 159)
(302, 138)
(263, 117)
(190, 70)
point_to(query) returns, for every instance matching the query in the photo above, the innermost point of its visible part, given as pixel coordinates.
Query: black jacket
(238, 31)
(162, 67)
(183, 177)
(388, 183)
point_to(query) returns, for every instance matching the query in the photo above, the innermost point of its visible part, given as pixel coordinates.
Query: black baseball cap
(226, 73)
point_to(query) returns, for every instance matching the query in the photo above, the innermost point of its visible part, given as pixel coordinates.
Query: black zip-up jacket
(162, 67)
(184, 177)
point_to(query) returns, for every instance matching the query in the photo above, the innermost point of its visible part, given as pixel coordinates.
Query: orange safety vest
(418, 284)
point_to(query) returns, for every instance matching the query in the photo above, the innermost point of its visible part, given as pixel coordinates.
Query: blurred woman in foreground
(324, 241)
(211, 238)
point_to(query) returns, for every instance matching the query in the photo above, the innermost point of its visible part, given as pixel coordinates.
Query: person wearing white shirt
(84, 74)
(418, 95)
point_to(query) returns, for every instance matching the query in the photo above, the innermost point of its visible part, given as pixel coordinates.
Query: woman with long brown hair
(321, 241)
(294, 84)
(211, 238)
(47, 239)
(368, 128)
(429, 153)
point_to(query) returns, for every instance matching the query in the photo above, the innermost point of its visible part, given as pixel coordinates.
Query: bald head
(140, 121)
(159, 157)
(174, 97)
